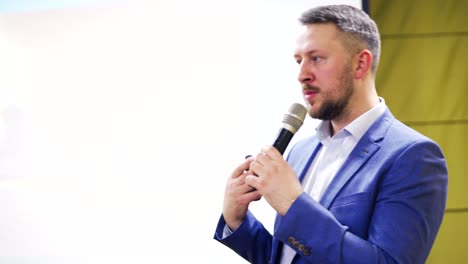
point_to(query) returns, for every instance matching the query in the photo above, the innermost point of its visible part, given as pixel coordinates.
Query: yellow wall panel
(425, 79)
(420, 16)
(451, 242)
(423, 76)
(452, 138)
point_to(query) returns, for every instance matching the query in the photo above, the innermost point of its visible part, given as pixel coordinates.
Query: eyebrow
(311, 52)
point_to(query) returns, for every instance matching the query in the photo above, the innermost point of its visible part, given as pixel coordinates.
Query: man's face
(325, 71)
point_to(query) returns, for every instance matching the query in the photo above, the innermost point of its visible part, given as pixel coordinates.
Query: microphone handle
(282, 140)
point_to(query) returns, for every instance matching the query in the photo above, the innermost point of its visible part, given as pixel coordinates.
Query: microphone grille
(295, 116)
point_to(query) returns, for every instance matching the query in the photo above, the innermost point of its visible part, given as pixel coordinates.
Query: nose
(305, 73)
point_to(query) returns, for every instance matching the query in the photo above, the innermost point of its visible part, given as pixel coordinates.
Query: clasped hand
(267, 175)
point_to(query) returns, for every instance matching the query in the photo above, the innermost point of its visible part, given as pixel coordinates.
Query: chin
(312, 114)
(310, 109)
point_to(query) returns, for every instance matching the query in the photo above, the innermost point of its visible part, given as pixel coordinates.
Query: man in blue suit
(365, 189)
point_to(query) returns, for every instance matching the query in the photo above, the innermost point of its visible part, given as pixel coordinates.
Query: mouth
(309, 94)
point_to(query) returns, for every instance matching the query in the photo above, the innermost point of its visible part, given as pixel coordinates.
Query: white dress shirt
(331, 156)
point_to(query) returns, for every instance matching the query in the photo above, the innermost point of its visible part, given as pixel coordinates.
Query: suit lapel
(304, 164)
(361, 153)
(365, 148)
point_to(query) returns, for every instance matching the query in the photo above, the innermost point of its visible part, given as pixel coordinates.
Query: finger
(238, 171)
(252, 181)
(255, 167)
(245, 188)
(240, 186)
(272, 152)
(252, 196)
(262, 158)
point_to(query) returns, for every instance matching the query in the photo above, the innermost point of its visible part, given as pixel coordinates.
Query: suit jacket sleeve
(407, 203)
(251, 240)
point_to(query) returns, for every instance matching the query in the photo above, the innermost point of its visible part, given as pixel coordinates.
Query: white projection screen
(120, 122)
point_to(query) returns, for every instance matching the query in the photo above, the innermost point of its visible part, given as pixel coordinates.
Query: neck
(358, 104)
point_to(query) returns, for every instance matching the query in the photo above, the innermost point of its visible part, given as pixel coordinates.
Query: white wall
(122, 122)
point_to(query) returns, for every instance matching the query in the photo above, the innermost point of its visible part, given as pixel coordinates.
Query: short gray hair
(351, 20)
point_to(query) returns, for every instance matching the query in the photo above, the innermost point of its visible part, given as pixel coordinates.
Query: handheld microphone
(292, 121)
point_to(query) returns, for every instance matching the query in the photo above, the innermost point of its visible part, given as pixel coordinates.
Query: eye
(316, 59)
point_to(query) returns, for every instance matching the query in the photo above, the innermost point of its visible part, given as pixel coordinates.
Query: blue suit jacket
(385, 204)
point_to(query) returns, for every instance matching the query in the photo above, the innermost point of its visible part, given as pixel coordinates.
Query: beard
(333, 108)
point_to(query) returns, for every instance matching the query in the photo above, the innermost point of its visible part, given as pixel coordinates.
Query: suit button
(301, 247)
(296, 244)
(306, 252)
(291, 240)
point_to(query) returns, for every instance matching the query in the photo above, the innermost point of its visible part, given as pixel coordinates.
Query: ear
(364, 64)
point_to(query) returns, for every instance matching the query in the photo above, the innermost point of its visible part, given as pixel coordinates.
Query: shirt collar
(357, 127)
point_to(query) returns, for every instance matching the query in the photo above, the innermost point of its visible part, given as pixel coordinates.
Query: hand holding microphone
(292, 121)
(270, 175)
(241, 191)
